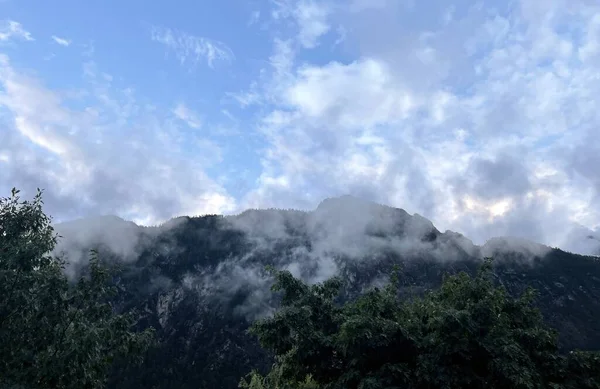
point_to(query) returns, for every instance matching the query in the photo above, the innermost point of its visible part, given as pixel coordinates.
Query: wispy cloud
(192, 49)
(111, 156)
(254, 18)
(61, 41)
(182, 112)
(9, 29)
(312, 21)
(310, 17)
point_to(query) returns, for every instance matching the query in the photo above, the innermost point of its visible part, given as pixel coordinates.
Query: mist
(314, 246)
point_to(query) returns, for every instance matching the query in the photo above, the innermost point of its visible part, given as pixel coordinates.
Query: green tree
(55, 334)
(467, 334)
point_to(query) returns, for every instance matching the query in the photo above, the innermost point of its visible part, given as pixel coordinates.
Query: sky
(480, 116)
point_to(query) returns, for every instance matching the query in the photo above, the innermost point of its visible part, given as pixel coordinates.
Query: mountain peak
(345, 200)
(354, 204)
(105, 221)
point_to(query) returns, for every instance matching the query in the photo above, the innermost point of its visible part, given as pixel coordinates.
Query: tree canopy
(467, 334)
(55, 333)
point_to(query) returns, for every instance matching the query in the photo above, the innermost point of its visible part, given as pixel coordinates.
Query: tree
(467, 334)
(53, 333)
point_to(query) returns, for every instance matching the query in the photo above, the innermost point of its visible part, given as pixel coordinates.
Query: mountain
(201, 281)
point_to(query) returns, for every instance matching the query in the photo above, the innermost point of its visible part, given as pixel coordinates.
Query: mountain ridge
(200, 281)
(328, 205)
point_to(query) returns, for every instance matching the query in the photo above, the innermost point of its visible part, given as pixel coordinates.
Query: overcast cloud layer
(481, 116)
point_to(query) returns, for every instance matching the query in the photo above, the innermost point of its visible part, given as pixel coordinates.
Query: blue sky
(481, 116)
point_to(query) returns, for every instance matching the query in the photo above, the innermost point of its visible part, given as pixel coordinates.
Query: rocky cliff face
(201, 281)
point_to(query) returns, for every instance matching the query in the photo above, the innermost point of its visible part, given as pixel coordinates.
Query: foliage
(467, 334)
(55, 334)
(273, 380)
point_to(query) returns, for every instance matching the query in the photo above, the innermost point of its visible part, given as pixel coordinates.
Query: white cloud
(361, 94)
(481, 117)
(312, 21)
(182, 112)
(488, 136)
(61, 41)
(9, 29)
(190, 48)
(112, 157)
(310, 17)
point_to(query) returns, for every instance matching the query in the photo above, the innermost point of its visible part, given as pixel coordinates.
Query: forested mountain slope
(201, 281)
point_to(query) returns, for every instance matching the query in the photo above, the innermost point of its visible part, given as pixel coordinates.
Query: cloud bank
(480, 117)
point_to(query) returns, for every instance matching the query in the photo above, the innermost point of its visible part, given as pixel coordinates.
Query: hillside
(201, 281)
